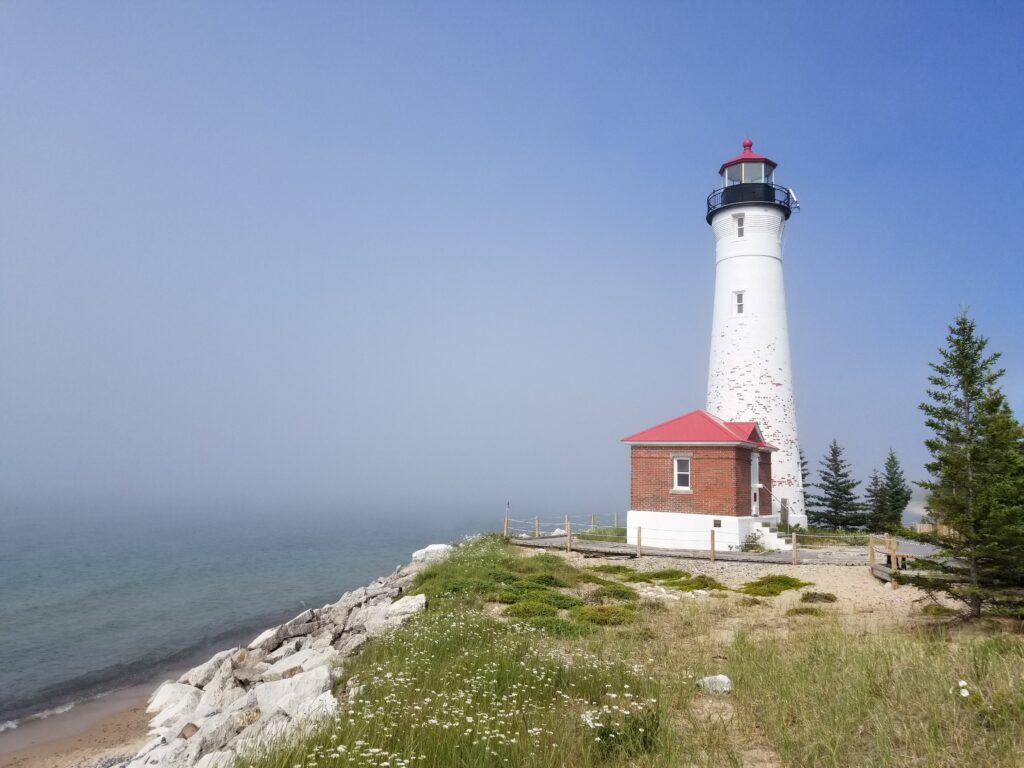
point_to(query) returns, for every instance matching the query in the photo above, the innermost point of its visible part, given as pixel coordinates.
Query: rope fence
(589, 532)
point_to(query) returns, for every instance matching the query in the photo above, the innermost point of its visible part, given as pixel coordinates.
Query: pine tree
(804, 473)
(876, 506)
(976, 490)
(897, 493)
(837, 505)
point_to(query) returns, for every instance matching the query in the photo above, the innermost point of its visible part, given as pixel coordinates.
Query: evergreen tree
(876, 505)
(896, 491)
(804, 473)
(837, 505)
(976, 485)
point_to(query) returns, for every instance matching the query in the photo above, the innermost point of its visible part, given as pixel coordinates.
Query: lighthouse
(749, 376)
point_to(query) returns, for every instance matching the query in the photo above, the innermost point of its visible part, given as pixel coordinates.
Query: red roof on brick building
(700, 427)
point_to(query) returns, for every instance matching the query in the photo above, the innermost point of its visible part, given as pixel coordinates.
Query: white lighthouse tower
(749, 377)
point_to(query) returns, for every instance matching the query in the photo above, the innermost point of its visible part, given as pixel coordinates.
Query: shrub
(556, 599)
(753, 542)
(750, 601)
(818, 597)
(665, 574)
(546, 580)
(617, 592)
(770, 586)
(699, 581)
(605, 615)
(528, 609)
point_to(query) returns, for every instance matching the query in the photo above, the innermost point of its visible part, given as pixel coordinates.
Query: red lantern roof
(700, 427)
(747, 156)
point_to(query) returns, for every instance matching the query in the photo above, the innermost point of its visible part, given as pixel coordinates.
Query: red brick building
(696, 473)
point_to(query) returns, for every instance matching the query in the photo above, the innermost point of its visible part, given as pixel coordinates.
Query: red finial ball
(747, 145)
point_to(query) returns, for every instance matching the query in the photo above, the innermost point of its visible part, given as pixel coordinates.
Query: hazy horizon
(404, 258)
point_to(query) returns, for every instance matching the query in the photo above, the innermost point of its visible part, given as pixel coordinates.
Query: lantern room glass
(748, 173)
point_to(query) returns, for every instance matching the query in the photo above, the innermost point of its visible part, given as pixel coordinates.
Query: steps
(773, 539)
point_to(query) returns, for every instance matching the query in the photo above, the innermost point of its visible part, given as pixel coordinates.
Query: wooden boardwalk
(851, 556)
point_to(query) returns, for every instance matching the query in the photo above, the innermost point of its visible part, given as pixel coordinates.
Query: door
(755, 473)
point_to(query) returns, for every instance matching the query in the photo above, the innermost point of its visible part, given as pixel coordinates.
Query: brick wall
(719, 480)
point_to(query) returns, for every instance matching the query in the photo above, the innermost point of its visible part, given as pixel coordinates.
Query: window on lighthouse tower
(739, 225)
(739, 302)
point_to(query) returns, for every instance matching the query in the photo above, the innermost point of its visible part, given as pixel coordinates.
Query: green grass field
(524, 660)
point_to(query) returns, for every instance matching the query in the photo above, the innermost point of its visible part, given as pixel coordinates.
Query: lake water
(93, 601)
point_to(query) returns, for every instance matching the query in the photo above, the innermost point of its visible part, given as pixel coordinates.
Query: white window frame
(739, 302)
(676, 458)
(740, 224)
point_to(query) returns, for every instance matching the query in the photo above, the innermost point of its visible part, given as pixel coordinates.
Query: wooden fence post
(504, 527)
(871, 549)
(793, 534)
(893, 566)
(568, 535)
(712, 545)
(536, 527)
(616, 525)
(593, 521)
(638, 550)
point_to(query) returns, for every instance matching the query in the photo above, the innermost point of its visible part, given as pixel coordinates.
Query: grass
(938, 610)
(840, 698)
(830, 537)
(601, 534)
(804, 610)
(772, 585)
(614, 569)
(605, 615)
(612, 685)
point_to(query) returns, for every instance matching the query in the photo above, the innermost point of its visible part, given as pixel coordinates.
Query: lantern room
(748, 168)
(749, 178)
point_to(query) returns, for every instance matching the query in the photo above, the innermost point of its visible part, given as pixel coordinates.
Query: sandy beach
(110, 726)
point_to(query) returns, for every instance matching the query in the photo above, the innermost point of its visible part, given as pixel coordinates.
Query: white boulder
(177, 709)
(431, 553)
(201, 675)
(220, 759)
(715, 684)
(168, 694)
(291, 694)
(302, 661)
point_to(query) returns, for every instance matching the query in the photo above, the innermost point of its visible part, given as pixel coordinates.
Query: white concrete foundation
(679, 530)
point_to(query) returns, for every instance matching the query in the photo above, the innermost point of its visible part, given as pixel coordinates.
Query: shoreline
(107, 726)
(87, 717)
(112, 729)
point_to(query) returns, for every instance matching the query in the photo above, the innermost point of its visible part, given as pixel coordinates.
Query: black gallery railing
(751, 193)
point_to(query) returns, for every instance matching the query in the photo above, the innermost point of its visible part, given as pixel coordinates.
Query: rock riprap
(243, 698)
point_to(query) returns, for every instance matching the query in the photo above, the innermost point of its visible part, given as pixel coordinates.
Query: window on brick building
(681, 474)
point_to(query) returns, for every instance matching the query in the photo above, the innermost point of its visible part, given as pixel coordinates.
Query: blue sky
(403, 256)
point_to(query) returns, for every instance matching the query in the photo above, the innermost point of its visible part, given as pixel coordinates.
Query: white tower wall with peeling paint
(749, 376)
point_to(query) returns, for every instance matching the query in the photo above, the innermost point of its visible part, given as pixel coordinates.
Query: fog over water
(370, 257)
